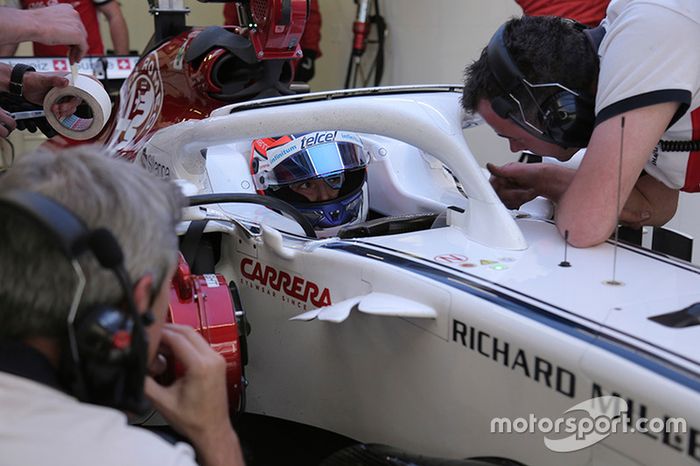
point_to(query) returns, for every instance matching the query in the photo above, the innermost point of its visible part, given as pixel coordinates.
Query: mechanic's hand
(197, 401)
(37, 85)
(634, 218)
(14, 103)
(7, 123)
(196, 404)
(514, 182)
(61, 24)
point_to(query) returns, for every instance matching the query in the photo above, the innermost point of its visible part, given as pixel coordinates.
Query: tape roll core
(93, 95)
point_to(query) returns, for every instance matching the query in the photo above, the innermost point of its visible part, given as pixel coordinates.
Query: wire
(680, 146)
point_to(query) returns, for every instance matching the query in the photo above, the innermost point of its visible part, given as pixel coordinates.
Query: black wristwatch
(16, 77)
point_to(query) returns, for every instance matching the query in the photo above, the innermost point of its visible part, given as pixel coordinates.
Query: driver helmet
(322, 174)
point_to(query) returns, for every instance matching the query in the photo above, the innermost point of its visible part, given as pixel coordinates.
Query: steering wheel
(246, 198)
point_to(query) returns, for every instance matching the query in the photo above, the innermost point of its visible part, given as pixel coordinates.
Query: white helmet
(338, 158)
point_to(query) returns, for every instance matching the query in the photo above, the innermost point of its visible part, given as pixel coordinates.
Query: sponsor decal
(123, 63)
(60, 65)
(293, 289)
(621, 413)
(451, 258)
(279, 154)
(142, 99)
(149, 162)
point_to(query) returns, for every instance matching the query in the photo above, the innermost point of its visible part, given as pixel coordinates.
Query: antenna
(565, 263)
(614, 282)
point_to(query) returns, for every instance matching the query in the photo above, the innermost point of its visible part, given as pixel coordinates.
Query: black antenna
(614, 282)
(565, 263)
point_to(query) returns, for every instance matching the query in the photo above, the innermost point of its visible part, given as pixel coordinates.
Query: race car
(446, 314)
(411, 312)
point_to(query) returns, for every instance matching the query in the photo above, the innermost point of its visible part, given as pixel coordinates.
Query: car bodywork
(418, 332)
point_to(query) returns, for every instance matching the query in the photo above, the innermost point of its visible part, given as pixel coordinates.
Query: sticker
(467, 265)
(451, 258)
(212, 281)
(487, 262)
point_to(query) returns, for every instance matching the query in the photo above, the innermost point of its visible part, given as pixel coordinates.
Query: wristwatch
(17, 76)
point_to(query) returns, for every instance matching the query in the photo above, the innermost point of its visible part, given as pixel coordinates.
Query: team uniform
(649, 55)
(40, 424)
(87, 9)
(589, 12)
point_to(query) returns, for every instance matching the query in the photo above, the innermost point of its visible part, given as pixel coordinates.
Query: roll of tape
(93, 95)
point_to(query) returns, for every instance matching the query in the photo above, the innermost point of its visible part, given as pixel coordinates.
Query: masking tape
(93, 95)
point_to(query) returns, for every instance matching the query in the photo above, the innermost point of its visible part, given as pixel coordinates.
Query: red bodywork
(204, 302)
(162, 90)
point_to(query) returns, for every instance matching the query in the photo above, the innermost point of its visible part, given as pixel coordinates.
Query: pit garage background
(428, 42)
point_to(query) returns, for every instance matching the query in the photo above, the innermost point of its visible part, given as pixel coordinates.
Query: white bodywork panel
(419, 339)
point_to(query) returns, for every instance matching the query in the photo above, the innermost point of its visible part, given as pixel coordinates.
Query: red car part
(205, 303)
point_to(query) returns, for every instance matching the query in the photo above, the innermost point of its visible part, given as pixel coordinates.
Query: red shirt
(88, 14)
(590, 12)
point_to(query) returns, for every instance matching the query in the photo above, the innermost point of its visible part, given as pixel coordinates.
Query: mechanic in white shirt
(65, 384)
(551, 87)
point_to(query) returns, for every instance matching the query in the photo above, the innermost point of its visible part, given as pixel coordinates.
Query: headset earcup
(568, 119)
(109, 356)
(502, 107)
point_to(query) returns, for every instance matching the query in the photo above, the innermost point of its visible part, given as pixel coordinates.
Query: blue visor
(317, 161)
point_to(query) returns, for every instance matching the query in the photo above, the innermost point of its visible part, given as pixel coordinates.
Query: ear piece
(501, 107)
(569, 119)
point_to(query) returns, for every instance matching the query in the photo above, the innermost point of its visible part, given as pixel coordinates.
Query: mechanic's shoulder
(117, 442)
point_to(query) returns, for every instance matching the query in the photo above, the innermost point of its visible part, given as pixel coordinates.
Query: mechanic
(310, 40)
(19, 86)
(634, 104)
(588, 12)
(88, 10)
(322, 174)
(64, 382)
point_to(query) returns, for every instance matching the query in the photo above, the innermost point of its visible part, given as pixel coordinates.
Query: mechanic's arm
(196, 404)
(650, 203)
(588, 207)
(117, 27)
(51, 25)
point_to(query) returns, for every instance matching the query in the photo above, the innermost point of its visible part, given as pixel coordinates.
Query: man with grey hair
(42, 419)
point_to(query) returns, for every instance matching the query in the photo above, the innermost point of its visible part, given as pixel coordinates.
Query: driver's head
(322, 174)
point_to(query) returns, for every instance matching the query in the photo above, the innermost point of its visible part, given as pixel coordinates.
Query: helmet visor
(315, 155)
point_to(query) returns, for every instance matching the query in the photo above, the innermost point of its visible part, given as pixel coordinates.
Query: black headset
(104, 357)
(566, 118)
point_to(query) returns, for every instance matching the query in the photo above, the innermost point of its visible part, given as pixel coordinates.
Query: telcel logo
(318, 138)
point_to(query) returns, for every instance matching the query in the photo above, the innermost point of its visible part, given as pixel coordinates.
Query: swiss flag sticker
(60, 65)
(123, 64)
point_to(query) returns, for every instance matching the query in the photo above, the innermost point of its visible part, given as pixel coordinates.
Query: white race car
(447, 326)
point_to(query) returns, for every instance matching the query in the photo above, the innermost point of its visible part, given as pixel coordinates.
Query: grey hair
(37, 282)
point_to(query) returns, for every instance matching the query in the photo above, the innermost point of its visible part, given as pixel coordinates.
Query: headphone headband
(566, 117)
(109, 365)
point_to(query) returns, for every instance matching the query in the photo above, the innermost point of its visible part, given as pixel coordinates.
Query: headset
(566, 118)
(104, 357)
